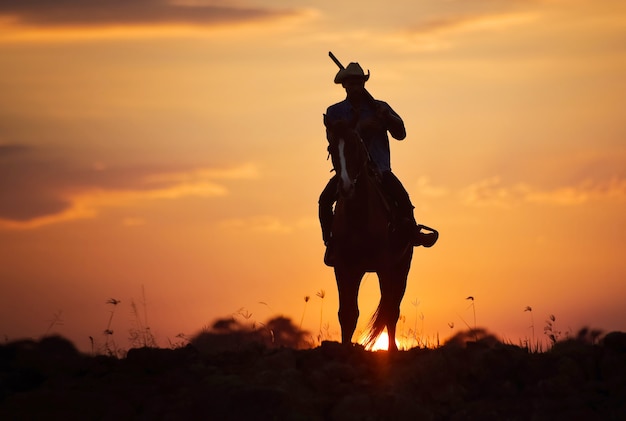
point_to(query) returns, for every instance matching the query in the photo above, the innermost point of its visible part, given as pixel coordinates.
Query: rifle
(368, 96)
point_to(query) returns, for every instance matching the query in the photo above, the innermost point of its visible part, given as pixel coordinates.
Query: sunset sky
(177, 148)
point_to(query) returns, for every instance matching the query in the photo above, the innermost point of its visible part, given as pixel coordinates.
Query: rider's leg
(396, 190)
(393, 186)
(326, 201)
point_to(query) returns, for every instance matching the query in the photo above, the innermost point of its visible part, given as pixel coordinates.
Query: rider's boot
(416, 234)
(329, 255)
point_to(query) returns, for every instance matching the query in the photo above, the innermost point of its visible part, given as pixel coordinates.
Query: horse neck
(369, 190)
(366, 208)
(350, 158)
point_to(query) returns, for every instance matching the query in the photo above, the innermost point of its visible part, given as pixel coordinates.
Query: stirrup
(425, 239)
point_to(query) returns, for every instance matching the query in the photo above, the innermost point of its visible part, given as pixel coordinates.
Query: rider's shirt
(374, 135)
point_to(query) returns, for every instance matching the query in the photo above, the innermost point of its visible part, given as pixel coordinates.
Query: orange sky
(178, 147)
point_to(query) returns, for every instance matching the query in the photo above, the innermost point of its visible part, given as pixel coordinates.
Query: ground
(49, 379)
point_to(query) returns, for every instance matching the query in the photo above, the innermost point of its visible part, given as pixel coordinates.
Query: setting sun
(382, 343)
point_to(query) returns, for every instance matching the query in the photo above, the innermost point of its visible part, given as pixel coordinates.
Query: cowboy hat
(353, 70)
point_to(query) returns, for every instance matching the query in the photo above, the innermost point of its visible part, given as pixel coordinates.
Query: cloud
(47, 13)
(472, 23)
(492, 192)
(267, 224)
(39, 190)
(427, 189)
(131, 221)
(443, 32)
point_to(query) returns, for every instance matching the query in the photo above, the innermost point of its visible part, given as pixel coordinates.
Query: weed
(531, 345)
(321, 294)
(182, 341)
(418, 341)
(473, 309)
(109, 343)
(551, 330)
(140, 335)
(306, 301)
(55, 321)
(589, 336)
(246, 315)
(403, 337)
(469, 328)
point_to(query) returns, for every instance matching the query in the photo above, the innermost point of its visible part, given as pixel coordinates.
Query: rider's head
(353, 79)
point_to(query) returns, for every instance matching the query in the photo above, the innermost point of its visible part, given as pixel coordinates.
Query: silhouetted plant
(140, 335)
(473, 309)
(285, 333)
(415, 303)
(532, 343)
(230, 334)
(479, 335)
(55, 321)
(182, 341)
(403, 337)
(588, 336)
(224, 325)
(551, 331)
(470, 328)
(109, 344)
(421, 336)
(321, 294)
(246, 315)
(226, 334)
(306, 301)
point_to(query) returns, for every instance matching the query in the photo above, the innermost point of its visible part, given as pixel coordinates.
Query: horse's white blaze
(345, 178)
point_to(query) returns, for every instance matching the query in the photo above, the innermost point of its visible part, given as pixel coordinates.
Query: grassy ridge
(484, 379)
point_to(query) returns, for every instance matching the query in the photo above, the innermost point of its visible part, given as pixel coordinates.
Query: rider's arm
(392, 121)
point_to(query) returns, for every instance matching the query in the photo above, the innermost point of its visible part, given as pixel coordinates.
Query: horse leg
(348, 283)
(392, 287)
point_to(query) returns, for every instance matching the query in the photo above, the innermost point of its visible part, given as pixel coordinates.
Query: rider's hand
(383, 114)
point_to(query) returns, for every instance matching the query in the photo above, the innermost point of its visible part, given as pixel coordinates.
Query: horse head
(348, 153)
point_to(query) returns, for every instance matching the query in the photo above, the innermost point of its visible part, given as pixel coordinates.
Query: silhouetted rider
(374, 119)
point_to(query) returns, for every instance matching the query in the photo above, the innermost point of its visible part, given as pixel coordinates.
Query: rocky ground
(574, 380)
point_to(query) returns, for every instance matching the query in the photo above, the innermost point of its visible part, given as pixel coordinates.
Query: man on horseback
(371, 119)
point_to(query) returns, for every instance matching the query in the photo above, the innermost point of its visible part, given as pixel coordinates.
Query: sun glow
(381, 344)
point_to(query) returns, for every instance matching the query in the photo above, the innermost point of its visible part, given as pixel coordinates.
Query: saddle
(404, 232)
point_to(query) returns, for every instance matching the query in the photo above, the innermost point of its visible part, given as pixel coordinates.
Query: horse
(363, 238)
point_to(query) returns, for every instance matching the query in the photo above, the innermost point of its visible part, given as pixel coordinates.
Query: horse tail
(376, 325)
